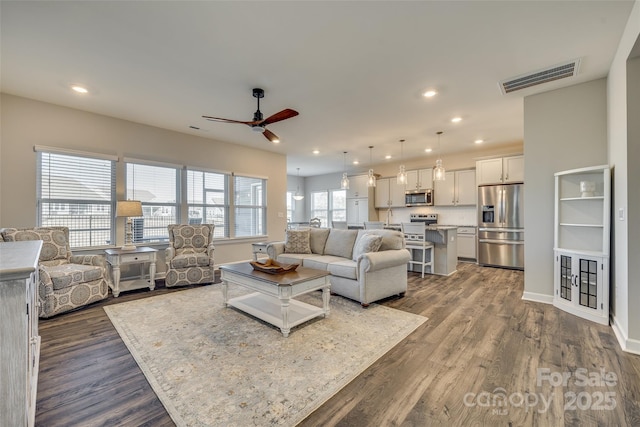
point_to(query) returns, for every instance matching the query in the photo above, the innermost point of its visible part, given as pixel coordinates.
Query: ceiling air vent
(556, 72)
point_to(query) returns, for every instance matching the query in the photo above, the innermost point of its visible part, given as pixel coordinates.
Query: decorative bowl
(272, 266)
(587, 188)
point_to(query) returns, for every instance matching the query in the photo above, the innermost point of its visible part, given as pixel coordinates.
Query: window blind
(208, 200)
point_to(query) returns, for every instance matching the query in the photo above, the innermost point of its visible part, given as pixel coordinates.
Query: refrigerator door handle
(504, 242)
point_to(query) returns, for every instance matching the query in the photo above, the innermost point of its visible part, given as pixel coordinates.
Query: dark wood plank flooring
(481, 342)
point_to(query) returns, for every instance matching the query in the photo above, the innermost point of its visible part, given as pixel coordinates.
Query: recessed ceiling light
(428, 150)
(479, 141)
(316, 151)
(79, 89)
(355, 162)
(456, 119)
(388, 156)
(429, 93)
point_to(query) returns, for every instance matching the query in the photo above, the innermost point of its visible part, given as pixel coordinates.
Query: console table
(140, 256)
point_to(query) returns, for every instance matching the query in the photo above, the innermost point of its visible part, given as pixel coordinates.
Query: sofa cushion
(340, 243)
(66, 275)
(366, 243)
(292, 258)
(391, 239)
(297, 242)
(346, 269)
(190, 260)
(320, 262)
(317, 239)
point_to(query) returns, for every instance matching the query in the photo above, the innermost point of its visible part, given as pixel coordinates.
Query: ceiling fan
(259, 124)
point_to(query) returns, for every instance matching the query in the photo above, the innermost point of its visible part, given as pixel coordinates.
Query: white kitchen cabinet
(581, 242)
(357, 187)
(359, 210)
(501, 170)
(419, 179)
(389, 194)
(467, 242)
(19, 339)
(457, 189)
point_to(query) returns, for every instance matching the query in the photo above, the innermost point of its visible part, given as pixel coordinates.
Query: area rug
(216, 366)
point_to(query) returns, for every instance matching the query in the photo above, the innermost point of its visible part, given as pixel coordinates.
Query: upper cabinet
(357, 187)
(500, 171)
(389, 194)
(458, 188)
(420, 179)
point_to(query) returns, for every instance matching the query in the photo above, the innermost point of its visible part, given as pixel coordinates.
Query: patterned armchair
(67, 281)
(189, 257)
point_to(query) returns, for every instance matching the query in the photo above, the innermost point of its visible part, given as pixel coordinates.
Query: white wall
(26, 123)
(563, 129)
(621, 128)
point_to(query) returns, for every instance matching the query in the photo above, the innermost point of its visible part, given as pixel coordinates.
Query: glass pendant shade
(344, 182)
(298, 195)
(371, 180)
(438, 171)
(402, 176)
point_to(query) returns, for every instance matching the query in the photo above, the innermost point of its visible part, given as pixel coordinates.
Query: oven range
(427, 219)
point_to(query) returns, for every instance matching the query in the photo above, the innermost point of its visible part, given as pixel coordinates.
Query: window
(77, 191)
(207, 200)
(338, 205)
(250, 206)
(290, 206)
(320, 206)
(157, 188)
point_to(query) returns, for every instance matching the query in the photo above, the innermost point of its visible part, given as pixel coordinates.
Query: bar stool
(418, 228)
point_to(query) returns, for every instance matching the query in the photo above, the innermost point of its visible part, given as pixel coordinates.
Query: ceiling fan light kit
(258, 124)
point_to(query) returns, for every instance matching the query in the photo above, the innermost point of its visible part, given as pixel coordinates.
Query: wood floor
(484, 358)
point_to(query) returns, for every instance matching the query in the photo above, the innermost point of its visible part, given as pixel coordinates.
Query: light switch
(621, 214)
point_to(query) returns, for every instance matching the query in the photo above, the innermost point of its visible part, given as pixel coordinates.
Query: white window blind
(208, 200)
(338, 205)
(320, 206)
(157, 188)
(77, 192)
(250, 206)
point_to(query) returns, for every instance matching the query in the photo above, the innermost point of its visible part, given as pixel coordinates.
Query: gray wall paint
(564, 129)
(26, 123)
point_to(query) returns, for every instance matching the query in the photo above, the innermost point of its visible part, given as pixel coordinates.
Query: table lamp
(128, 209)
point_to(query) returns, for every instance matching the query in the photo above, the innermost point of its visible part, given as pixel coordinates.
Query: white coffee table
(273, 300)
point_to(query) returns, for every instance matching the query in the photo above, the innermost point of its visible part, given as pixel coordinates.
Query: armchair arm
(169, 253)
(210, 250)
(373, 261)
(274, 249)
(97, 260)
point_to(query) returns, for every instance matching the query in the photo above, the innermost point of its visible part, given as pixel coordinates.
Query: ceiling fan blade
(282, 115)
(220, 119)
(271, 136)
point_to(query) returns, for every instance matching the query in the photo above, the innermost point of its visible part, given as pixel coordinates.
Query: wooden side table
(141, 256)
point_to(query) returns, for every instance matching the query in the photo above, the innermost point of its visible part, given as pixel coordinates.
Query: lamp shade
(128, 208)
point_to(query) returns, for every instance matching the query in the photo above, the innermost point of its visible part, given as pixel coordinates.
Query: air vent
(556, 72)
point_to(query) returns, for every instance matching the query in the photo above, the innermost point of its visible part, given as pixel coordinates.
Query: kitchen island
(445, 242)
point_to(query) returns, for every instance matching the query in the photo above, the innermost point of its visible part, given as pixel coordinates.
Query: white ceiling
(354, 70)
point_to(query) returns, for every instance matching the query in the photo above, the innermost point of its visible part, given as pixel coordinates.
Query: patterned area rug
(215, 366)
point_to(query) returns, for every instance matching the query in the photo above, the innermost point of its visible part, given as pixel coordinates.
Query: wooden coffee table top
(301, 274)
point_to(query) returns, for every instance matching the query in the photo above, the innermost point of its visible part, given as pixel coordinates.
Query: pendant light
(298, 195)
(402, 173)
(438, 171)
(344, 183)
(371, 180)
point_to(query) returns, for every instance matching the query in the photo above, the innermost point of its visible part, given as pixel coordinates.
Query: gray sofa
(365, 265)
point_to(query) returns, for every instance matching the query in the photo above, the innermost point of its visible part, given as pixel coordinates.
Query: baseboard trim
(627, 344)
(535, 297)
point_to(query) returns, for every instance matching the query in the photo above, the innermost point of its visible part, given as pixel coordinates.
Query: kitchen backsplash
(447, 215)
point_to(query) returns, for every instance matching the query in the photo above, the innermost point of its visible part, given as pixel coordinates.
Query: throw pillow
(367, 243)
(297, 242)
(317, 239)
(340, 243)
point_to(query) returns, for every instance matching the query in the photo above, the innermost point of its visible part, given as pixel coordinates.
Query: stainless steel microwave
(419, 197)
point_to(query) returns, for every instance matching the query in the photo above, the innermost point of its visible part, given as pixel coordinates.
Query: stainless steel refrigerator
(501, 225)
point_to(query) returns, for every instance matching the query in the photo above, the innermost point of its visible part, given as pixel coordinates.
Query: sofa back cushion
(55, 241)
(391, 239)
(190, 238)
(340, 242)
(318, 239)
(366, 243)
(297, 242)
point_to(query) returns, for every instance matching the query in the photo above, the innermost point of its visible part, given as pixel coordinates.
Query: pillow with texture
(297, 242)
(367, 243)
(317, 239)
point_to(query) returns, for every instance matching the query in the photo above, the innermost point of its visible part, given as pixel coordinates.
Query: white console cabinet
(581, 242)
(19, 339)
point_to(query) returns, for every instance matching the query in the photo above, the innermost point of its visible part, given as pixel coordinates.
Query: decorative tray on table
(273, 267)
